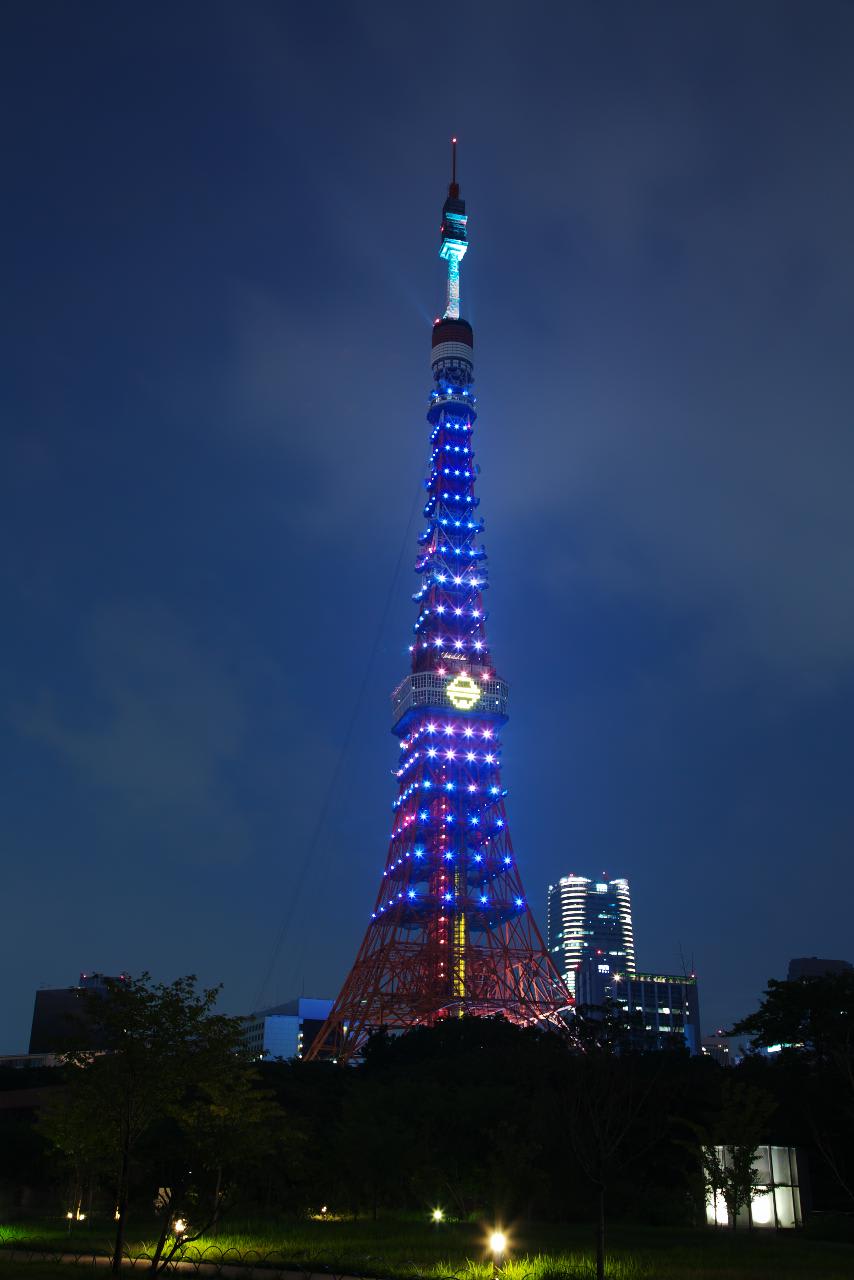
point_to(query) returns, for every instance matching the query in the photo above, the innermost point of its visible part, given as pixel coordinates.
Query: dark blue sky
(220, 233)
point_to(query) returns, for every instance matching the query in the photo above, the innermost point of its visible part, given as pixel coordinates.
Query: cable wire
(326, 808)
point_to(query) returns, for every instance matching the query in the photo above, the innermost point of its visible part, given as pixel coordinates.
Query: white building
(286, 1030)
(777, 1193)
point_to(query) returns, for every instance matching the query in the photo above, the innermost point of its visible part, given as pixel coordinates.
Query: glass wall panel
(785, 1207)
(716, 1213)
(762, 1209)
(780, 1165)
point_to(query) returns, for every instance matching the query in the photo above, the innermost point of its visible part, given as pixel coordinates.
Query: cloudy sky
(219, 238)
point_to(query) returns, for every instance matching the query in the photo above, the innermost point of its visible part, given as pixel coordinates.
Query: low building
(285, 1030)
(31, 1061)
(663, 1009)
(718, 1048)
(776, 1200)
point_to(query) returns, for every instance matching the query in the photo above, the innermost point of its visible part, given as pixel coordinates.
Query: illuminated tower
(451, 932)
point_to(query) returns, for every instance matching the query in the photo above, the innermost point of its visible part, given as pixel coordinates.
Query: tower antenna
(453, 162)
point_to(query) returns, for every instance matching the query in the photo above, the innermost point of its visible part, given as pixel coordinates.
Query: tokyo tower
(451, 933)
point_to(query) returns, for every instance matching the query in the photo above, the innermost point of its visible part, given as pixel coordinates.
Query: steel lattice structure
(451, 931)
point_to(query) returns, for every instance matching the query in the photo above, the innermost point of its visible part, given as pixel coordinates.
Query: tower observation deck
(451, 933)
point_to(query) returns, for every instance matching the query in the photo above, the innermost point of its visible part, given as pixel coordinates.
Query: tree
(730, 1174)
(739, 1183)
(230, 1126)
(812, 1015)
(714, 1174)
(610, 1027)
(225, 1128)
(729, 1148)
(610, 1118)
(813, 1019)
(157, 1094)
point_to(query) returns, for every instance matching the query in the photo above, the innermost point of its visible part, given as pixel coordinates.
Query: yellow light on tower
(462, 692)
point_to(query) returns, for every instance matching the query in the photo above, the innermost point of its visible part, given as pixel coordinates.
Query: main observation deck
(427, 690)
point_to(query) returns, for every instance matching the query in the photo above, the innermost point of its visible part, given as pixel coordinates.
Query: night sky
(220, 267)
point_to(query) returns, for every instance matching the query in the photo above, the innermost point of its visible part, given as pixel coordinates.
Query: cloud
(692, 404)
(169, 724)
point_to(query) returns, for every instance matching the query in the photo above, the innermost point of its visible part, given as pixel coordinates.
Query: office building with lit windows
(662, 1010)
(590, 917)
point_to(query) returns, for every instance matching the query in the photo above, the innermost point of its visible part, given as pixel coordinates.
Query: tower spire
(454, 241)
(451, 933)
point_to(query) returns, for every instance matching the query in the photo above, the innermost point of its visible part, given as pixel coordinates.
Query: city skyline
(218, 290)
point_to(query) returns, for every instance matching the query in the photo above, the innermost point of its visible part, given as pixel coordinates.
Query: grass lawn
(404, 1249)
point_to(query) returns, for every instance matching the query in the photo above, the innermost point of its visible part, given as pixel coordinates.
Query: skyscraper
(587, 916)
(451, 932)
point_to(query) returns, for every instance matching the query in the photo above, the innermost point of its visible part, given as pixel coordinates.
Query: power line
(326, 808)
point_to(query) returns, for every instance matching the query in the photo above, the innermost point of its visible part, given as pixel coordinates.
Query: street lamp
(179, 1226)
(74, 1216)
(438, 1215)
(498, 1244)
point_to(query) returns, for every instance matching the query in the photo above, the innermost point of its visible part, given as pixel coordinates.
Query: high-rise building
(60, 1013)
(286, 1030)
(451, 932)
(585, 917)
(663, 1010)
(815, 967)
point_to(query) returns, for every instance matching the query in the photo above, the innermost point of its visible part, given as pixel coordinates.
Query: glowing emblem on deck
(463, 692)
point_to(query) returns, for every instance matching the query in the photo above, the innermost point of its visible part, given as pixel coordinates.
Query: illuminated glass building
(777, 1201)
(588, 916)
